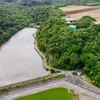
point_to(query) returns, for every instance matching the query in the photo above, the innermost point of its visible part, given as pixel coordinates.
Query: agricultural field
(51, 94)
(80, 11)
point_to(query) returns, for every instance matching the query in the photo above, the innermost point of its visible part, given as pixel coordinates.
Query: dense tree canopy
(53, 2)
(67, 49)
(14, 17)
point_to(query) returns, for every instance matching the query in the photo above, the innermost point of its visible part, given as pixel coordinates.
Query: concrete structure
(97, 22)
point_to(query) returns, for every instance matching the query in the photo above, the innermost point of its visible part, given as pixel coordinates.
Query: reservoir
(19, 61)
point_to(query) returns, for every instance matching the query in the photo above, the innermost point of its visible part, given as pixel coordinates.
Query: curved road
(51, 85)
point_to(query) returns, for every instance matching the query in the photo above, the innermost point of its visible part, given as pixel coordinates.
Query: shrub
(74, 73)
(47, 69)
(52, 71)
(5, 89)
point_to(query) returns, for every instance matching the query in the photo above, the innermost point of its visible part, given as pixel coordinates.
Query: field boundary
(81, 10)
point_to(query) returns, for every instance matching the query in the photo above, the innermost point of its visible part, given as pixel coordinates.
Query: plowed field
(79, 11)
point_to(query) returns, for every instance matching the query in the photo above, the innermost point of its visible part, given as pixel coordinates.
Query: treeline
(35, 2)
(70, 50)
(11, 20)
(29, 2)
(14, 17)
(57, 3)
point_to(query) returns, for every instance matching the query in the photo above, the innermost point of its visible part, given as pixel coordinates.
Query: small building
(73, 27)
(79, 71)
(70, 19)
(97, 22)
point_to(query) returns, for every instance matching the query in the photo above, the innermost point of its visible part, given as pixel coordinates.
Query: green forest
(63, 48)
(70, 50)
(15, 17)
(57, 3)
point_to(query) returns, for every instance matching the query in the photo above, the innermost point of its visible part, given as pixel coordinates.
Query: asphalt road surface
(75, 80)
(51, 85)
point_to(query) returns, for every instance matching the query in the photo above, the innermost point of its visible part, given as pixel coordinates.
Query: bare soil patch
(95, 14)
(73, 7)
(80, 11)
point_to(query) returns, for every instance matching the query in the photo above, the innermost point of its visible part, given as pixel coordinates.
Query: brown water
(18, 59)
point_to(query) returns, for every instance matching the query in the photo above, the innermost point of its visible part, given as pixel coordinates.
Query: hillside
(70, 50)
(14, 17)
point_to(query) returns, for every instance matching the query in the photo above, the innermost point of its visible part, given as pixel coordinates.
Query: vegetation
(31, 82)
(70, 50)
(57, 3)
(14, 17)
(74, 73)
(52, 71)
(51, 94)
(12, 20)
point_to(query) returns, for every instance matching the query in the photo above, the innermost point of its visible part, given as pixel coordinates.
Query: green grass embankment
(20, 85)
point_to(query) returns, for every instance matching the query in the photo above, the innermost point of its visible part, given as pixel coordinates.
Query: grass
(51, 94)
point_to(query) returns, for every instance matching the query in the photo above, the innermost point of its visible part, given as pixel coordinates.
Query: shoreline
(40, 53)
(36, 27)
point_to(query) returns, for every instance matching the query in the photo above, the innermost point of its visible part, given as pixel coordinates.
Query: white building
(97, 22)
(70, 19)
(79, 71)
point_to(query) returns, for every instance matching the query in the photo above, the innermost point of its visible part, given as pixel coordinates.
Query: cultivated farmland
(51, 94)
(80, 11)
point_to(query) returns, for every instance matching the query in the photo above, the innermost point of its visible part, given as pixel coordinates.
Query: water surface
(18, 59)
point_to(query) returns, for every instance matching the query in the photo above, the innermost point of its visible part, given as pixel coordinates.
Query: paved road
(51, 85)
(81, 83)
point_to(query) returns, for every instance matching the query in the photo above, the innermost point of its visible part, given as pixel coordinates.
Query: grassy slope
(51, 94)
